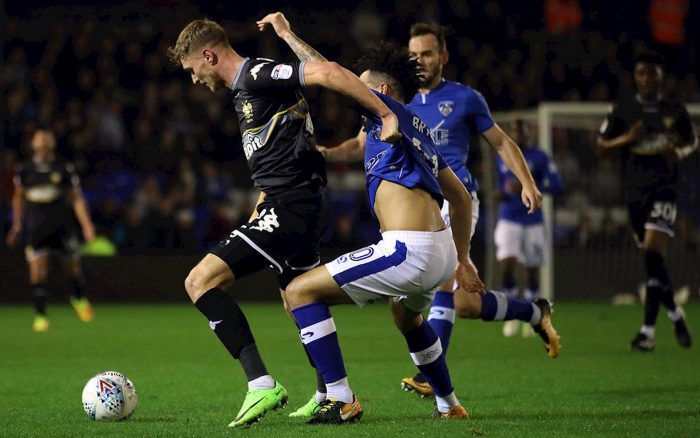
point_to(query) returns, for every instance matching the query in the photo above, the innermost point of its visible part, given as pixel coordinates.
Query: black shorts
(655, 210)
(60, 239)
(284, 236)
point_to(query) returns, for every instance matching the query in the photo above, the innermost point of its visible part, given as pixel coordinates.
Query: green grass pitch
(188, 385)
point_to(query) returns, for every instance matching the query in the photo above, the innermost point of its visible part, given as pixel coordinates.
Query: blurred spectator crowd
(159, 158)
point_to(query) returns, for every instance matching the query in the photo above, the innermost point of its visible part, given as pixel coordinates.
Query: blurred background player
(290, 215)
(47, 193)
(652, 134)
(520, 236)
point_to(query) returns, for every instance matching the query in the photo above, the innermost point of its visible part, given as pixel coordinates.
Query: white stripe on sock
(317, 331)
(443, 313)
(536, 315)
(445, 403)
(501, 306)
(429, 355)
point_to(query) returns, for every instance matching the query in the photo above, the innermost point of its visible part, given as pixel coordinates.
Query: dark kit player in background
(652, 134)
(47, 193)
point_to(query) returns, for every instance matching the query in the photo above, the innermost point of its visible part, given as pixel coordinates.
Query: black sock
(658, 286)
(231, 327)
(651, 305)
(252, 363)
(320, 384)
(40, 294)
(78, 287)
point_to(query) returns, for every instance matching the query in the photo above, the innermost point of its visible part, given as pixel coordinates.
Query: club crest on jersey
(446, 107)
(247, 111)
(668, 122)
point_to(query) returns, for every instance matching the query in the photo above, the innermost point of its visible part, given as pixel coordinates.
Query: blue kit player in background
(455, 113)
(519, 236)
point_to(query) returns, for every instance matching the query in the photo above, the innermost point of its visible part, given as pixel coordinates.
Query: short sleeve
(612, 125)
(265, 74)
(479, 112)
(685, 127)
(73, 178)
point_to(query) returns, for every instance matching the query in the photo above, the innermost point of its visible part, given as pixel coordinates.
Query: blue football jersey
(413, 162)
(454, 112)
(546, 176)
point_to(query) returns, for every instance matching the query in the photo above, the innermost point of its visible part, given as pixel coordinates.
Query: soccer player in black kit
(652, 134)
(47, 193)
(277, 140)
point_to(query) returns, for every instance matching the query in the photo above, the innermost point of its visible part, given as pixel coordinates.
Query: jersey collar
(234, 83)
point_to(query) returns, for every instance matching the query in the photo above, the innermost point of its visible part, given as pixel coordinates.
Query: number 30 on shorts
(664, 210)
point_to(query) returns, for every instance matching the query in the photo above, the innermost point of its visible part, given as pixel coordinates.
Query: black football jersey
(47, 186)
(645, 167)
(276, 129)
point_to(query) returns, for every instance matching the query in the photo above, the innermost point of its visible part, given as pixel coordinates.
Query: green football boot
(258, 402)
(308, 410)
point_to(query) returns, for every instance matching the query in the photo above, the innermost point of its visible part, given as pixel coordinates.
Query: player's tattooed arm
(282, 28)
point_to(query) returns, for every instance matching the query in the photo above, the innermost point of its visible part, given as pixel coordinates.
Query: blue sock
(496, 306)
(426, 351)
(532, 291)
(509, 286)
(317, 333)
(442, 317)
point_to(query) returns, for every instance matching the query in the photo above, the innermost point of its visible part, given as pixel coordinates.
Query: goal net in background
(592, 251)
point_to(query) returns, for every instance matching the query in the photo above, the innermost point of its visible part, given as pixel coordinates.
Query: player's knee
(404, 318)
(195, 284)
(297, 294)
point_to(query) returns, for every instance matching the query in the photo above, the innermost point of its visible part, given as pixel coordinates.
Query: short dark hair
(420, 29)
(650, 58)
(393, 65)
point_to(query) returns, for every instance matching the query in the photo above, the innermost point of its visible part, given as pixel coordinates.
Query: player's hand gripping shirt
(413, 162)
(644, 163)
(546, 176)
(276, 130)
(454, 113)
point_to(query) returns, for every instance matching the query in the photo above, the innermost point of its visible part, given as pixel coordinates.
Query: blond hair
(194, 36)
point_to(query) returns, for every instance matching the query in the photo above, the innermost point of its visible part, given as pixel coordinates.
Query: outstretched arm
(352, 149)
(460, 219)
(514, 160)
(283, 30)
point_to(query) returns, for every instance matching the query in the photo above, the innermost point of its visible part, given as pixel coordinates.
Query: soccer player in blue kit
(519, 236)
(406, 183)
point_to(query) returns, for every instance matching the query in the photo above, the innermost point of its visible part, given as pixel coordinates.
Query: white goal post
(569, 115)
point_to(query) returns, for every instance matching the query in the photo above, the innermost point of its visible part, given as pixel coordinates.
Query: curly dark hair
(391, 64)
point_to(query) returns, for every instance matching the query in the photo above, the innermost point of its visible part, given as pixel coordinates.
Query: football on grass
(109, 396)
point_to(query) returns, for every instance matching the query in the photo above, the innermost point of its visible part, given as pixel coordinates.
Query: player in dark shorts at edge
(47, 188)
(652, 134)
(290, 215)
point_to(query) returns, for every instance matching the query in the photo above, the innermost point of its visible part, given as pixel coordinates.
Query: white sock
(320, 397)
(340, 390)
(263, 382)
(536, 315)
(648, 330)
(445, 403)
(675, 315)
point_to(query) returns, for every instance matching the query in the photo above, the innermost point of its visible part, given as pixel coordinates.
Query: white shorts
(408, 265)
(445, 212)
(525, 243)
